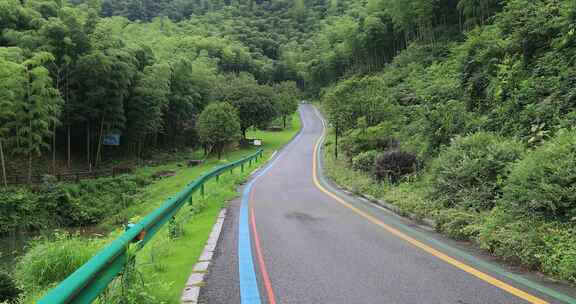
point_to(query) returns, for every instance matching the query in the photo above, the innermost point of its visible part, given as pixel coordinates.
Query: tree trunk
(54, 149)
(284, 119)
(30, 153)
(99, 149)
(30, 167)
(88, 152)
(69, 161)
(139, 148)
(336, 143)
(3, 165)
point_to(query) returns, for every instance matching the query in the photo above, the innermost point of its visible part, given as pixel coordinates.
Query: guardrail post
(202, 191)
(242, 167)
(172, 228)
(217, 177)
(190, 202)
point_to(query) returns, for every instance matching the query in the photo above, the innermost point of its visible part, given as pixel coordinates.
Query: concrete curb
(191, 291)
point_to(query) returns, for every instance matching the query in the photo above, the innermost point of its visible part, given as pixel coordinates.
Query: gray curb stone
(191, 291)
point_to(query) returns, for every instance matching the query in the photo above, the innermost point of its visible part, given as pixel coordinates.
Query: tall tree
(39, 108)
(218, 125)
(147, 105)
(254, 102)
(287, 96)
(11, 90)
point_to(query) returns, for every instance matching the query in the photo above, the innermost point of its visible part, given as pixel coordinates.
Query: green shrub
(374, 138)
(544, 182)
(67, 204)
(511, 239)
(23, 209)
(9, 291)
(467, 173)
(365, 161)
(543, 245)
(458, 224)
(393, 165)
(49, 261)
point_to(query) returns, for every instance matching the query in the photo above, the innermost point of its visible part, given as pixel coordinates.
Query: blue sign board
(111, 140)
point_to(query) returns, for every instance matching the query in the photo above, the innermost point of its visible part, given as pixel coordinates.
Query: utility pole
(336, 141)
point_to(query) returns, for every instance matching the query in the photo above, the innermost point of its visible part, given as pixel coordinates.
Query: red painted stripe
(261, 264)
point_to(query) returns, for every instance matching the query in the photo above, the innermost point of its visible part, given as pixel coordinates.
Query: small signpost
(111, 139)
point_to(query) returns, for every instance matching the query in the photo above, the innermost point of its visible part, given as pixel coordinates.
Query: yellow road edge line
(442, 256)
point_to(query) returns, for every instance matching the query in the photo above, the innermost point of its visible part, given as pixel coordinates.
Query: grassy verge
(409, 197)
(163, 266)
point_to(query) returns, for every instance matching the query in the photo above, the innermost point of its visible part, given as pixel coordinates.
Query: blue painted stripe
(249, 293)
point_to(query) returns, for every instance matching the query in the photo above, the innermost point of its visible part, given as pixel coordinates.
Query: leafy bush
(544, 182)
(511, 239)
(73, 204)
(8, 290)
(467, 173)
(437, 124)
(365, 161)
(374, 138)
(49, 261)
(458, 224)
(21, 208)
(546, 246)
(393, 165)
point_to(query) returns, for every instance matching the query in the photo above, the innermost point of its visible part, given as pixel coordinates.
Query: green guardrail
(92, 278)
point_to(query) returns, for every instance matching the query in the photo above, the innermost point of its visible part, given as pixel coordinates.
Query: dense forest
(457, 110)
(71, 77)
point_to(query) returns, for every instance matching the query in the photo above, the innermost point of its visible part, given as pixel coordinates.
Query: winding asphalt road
(294, 238)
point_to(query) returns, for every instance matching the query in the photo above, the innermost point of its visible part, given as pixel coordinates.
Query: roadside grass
(164, 265)
(408, 196)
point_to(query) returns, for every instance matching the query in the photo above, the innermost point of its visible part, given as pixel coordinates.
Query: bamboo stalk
(3, 165)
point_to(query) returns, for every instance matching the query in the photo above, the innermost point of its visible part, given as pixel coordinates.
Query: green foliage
(365, 161)
(393, 165)
(20, 209)
(49, 261)
(9, 291)
(218, 125)
(254, 102)
(458, 224)
(377, 138)
(287, 96)
(344, 109)
(544, 181)
(149, 101)
(68, 205)
(468, 172)
(546, 246)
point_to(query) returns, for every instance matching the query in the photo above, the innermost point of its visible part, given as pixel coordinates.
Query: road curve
(306, 242)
